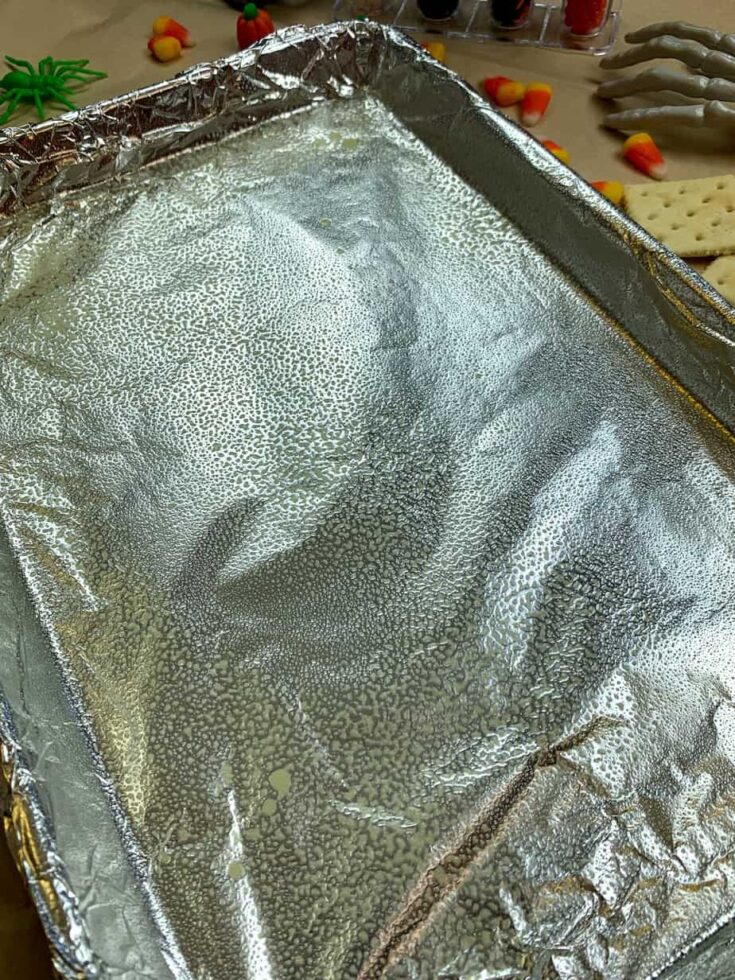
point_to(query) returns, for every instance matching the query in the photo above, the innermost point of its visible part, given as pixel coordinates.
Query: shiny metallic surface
(367, 492)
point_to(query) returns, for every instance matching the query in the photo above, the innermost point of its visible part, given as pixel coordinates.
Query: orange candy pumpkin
(253, 25)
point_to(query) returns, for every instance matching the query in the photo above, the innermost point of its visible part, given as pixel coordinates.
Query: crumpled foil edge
(32, 844)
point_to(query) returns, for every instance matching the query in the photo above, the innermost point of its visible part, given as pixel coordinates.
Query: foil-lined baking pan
(366, 485)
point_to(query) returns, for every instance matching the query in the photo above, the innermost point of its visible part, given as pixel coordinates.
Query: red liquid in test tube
(585, 17)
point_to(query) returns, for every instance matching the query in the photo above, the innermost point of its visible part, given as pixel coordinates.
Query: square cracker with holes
(721, 273)
(692, 217)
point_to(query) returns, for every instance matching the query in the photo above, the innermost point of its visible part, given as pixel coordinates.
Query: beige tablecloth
(113, 34)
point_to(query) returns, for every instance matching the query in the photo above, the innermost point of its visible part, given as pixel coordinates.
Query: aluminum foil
(367, 493)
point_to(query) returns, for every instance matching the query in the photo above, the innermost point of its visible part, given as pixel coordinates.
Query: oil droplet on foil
(280, 780)
(236, 870)
(440, 875)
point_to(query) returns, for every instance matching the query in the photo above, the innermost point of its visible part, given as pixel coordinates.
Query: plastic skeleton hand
(707, 52)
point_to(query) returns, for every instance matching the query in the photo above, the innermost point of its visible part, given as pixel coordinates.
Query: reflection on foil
(369, 574)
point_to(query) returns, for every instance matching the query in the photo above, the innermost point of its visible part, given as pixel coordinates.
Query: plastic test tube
(438, 9)
(510, 14)
(585, 18)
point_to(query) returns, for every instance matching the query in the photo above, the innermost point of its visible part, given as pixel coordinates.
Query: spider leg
(79, 79)
(73, 73)
(58, 97)
(665, 80)
(677, 28)
(13, 104)
(81, 73)
(39, 106)
(21, 63)
(45, 66)
(61, 66)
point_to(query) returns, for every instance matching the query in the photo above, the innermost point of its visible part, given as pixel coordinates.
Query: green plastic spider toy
(48, 84)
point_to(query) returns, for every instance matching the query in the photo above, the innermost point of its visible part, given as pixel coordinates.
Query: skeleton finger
(715, 40)
(691, 53)
(713, 114)
(667, 80)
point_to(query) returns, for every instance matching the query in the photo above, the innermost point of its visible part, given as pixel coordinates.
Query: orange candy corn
(613, 190)
(503, 91)
(164, 48)
(559, 152)
(642, 153)
(436, 49)
(172, 28)
(535, 103)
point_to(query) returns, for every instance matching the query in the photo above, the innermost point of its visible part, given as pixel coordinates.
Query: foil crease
(367, 492)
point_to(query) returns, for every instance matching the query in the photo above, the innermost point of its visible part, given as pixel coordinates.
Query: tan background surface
(113, 35)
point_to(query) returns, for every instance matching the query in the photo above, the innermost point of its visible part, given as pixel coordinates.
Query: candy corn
(559, 152)
(164, 48)
(503, 91)
(535, 103)
(613, 190)
(169, 27)
(436, 49)
(642, 153)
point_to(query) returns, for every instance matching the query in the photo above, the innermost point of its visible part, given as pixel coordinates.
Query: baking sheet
(367, 490)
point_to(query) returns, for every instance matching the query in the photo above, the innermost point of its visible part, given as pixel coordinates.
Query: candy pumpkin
(252, 25)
